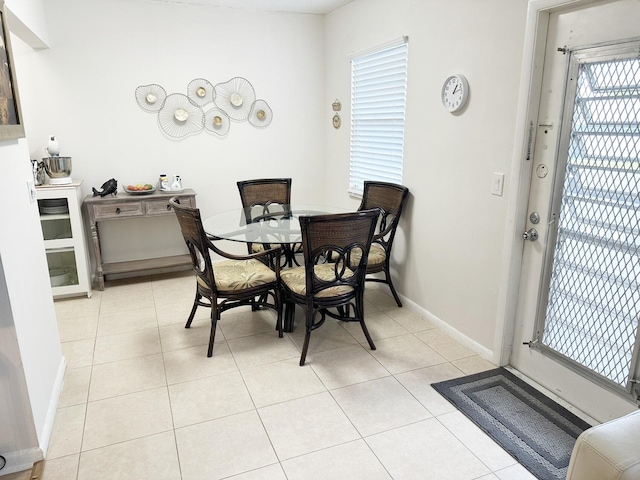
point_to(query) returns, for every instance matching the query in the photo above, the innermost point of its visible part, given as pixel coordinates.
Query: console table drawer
(162, 207)
(118, 210)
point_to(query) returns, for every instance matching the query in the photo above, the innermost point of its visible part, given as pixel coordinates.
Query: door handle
(531, 235)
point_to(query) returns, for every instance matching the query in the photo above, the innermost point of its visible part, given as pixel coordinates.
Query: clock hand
(455, 89)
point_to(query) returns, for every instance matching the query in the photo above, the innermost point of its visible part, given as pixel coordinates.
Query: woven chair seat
(377, 256)
(259, 247)
(240, 274)
(294, 278)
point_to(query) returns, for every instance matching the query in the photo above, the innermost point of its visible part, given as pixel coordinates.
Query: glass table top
(276, 224)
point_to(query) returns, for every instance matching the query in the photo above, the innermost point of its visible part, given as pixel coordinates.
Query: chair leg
(387, 276)
(289, 315)
(278, 295)
(212, 336)
(309, 323)
(193, 310)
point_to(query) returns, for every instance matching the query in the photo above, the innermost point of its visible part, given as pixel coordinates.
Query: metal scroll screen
(594, 299)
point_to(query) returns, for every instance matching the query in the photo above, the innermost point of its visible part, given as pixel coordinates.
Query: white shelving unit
(64, 239)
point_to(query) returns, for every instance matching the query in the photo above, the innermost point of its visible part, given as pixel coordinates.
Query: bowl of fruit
(139, 188)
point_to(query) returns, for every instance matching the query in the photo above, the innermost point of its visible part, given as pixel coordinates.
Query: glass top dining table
(275, 224)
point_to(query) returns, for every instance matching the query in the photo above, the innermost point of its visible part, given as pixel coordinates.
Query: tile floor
(142, 401)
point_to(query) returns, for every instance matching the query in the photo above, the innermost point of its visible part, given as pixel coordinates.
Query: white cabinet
(64, 239)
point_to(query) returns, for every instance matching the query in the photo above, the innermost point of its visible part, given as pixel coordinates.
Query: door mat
(531, 427)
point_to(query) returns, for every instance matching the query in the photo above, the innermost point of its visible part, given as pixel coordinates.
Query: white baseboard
(21, 460)
(47, 428)
(457, 335)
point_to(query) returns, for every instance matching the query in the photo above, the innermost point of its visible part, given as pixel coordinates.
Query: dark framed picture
(11, 125)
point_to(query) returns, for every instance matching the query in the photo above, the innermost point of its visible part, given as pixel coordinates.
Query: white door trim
(537, 22)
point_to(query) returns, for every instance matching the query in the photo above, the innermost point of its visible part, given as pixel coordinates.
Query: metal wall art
(205, 107)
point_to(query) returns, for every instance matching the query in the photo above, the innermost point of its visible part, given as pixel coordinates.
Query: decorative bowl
(139, 188)
(57, 167)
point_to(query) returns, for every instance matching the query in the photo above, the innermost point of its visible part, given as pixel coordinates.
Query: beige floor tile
(112, 348)
(329, 336)
(349, 461)
(230, 445)
(123, 302)
(483, 447)
(192, 363)
(77, 328)
(62, 468)
(446, 346)
(380, 297)
(178, 313)
(306, 425)
(123, 418)
(208, 398)
(262, 349)
(515, 472)
(176, 289)
(272, 472)
(280, 381)
(425, 450)
(379, 405)
(475, 364)
(128, 321)
(176, 337)
(153, 457)
(126, 376)
(127, 286)
(78, 353)
(345, 366)
(66, 435)
(380, 326)
(418, 382)
(243, 324)
(78, 307)
(75, 389)
(401, 354)
(410, 320)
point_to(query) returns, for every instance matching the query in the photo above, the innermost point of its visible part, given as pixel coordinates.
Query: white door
(577, 320)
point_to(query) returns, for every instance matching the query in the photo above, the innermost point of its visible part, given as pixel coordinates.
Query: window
(378, 98)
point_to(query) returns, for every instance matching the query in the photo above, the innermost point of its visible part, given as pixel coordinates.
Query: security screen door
(580, 299)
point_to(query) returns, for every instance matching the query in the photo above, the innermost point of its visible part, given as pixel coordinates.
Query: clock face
(455, 92)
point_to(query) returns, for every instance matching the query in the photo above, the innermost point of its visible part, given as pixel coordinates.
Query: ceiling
(317, 7)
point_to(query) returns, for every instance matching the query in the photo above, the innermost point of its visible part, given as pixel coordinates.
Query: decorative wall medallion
(336, 121)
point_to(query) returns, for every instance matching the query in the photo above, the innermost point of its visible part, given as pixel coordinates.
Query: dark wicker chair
(274, 196)
(390, 199)
(330, 277)
(239, 280)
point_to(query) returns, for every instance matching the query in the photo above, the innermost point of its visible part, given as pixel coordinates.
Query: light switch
(31, 188)
(497, 183)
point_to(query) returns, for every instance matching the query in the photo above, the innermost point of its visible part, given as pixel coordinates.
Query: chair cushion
(241, 274)
(294, 279)
(377, 256)
(259, 247)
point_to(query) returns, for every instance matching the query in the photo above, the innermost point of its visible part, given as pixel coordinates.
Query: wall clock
(455, 92)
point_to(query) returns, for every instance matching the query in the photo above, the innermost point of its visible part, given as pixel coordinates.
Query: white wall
(83, 90)
(453, 229)
(28, 305)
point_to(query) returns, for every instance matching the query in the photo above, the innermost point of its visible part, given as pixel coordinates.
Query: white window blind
(378, 99)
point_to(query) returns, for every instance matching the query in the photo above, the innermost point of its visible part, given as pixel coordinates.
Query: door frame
(533, 52)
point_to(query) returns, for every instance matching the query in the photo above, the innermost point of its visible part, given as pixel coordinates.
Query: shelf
(147, 264)
(53, 216)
